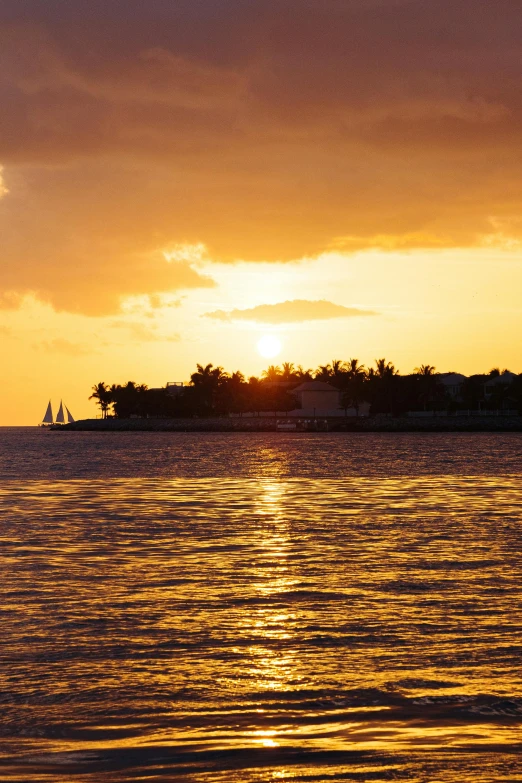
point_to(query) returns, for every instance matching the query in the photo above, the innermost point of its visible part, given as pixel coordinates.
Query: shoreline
(268, 424)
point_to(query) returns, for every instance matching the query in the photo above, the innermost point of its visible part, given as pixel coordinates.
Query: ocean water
(260, 607)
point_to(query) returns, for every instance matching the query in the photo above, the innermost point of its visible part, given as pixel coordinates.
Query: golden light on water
(271, 668)
(347, 615)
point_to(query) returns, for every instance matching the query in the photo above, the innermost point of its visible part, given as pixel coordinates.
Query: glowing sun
(269, 346)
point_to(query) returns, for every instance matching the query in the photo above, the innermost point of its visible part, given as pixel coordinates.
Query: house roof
(315, 386)
(502, 379)
(451, 378)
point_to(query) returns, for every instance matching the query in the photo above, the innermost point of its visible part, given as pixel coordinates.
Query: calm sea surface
(260, 607)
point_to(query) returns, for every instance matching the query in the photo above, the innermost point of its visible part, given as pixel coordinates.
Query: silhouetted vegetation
(214, 392)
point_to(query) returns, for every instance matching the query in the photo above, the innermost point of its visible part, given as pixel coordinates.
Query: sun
(269, 346)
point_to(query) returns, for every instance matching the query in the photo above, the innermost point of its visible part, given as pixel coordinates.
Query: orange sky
(165, 166)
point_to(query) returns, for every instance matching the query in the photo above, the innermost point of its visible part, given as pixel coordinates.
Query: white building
(317, 398)
(497, 382)
(174, 388)
(452, 382)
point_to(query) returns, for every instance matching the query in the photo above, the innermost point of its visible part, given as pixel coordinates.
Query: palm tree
(383, 383)
(323, 373)
(356, 380)
(231, 393)
(303, 375)
(337, 371)
(273, 373)
(237, 378)
(428, 384)
(103, 396)
(354, 369)
(288, 372)
(208, 377)
(384, 369)
(203, 375)
(425, 370)
(129, 400)
(255, 394)
(206, 381)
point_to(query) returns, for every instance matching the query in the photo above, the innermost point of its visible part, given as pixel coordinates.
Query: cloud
(406, 241)
(3, 189)
(94, 274)
(65, 347)
(261, 131)
(142, 333)
(292, 311)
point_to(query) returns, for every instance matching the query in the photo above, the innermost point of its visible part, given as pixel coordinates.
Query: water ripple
(261, 628)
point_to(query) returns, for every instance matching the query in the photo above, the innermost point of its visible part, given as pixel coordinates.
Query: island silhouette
(346, 387)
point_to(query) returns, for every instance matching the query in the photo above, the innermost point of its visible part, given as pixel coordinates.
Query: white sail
(60, 418)
(69, 415)
(48, 418)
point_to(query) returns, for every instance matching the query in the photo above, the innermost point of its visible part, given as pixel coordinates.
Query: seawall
(268, 424)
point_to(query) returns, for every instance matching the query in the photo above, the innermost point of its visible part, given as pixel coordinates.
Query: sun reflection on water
(272, 661)
(273, 616)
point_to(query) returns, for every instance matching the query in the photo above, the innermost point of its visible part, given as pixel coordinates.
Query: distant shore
(268, 424)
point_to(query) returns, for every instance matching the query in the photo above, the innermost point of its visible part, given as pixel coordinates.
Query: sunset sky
(180, 178)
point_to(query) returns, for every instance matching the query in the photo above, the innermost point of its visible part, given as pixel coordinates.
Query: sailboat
(48, 420)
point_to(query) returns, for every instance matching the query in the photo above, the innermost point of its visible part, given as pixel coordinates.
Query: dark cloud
(267, 131)
(292, 311)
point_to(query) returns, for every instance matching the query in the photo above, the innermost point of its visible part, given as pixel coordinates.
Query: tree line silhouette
(214, 392)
